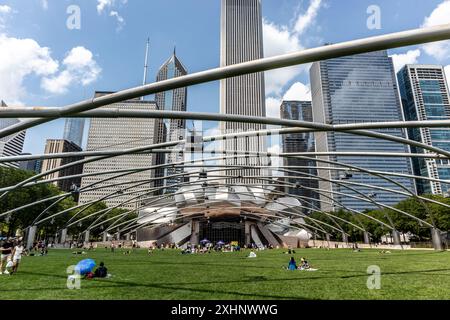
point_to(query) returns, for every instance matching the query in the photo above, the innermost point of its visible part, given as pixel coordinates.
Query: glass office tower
(73, 130)
(354, 89)
(171, 129)
(425, 96)
(300, 142)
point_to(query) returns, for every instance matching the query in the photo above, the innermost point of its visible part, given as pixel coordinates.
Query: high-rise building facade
(425, 96)
(352, 89)
(31, 165)
(11, 145)
(300, 142)
(119, 134)
(242, 40)
(62, 146)
(171, 129)
(73, 130)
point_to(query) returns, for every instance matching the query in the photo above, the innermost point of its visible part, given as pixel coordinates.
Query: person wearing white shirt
(17, 256)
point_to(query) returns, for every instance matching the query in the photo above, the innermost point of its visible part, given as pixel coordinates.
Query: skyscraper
(241, 41)
(171, 129)
(31, 165)
(300, 142)
(60, 146)
(73, 130)
(119, 134)
(11, 145)
(425, 96)
(358, 88)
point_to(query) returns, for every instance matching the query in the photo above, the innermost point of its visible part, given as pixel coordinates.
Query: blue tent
(85, 266)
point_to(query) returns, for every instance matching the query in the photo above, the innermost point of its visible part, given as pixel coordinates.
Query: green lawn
(342, 274)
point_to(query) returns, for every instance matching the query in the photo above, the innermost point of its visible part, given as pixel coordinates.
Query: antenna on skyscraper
(144, 82)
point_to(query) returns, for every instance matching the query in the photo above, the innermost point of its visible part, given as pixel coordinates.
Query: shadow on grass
(181, 286)
(171, 287)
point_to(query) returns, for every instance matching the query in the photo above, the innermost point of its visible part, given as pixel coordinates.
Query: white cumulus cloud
(440, 15)
(282, 39)
(5, 9)
(305, 20)
(4, 12)
(79, 68)
(279, 40)
(273, 107)
(296, 92)
(20, 58)
(401, 59)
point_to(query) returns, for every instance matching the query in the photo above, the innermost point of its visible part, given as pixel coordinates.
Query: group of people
(40, 248)
(11, 254)
(304, 265)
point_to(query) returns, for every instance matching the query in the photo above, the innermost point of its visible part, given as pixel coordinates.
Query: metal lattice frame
(88, 109)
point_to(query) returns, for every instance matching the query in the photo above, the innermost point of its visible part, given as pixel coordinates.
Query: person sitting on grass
(304, 264)
(292, 264)
(101, 271)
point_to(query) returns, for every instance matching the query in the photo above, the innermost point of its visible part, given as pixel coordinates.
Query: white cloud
(4, 12)
(280, 39)
(447, 74)
(409, 57)
(44, 4)
(5, 9)
(441, 15)
(79, 68)
(20, 58)
(276, 160)
(273, 107)
(120, 19)
(305, 20)
(102, 4)
(298, 91)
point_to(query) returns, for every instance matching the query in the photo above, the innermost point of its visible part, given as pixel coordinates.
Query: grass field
(166, 274)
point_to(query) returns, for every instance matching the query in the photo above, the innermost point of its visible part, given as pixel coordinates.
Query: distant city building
(119, 134)
(31, 165)
(73, 130)
(241, 40)
(171, 129)
(11, 145)
(62, 146)
(300, 142)
(353, 89)
(425, 96)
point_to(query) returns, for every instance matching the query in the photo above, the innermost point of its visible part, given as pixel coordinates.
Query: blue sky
(44, 63)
